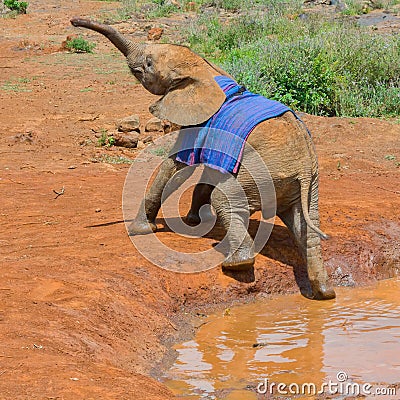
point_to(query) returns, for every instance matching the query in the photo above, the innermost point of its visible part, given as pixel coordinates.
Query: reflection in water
(294, 340)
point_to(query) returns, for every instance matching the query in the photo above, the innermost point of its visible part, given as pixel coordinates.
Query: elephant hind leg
(230, 204)
(309, 243)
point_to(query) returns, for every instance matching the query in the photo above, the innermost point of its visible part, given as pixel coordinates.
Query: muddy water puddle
(351, 343)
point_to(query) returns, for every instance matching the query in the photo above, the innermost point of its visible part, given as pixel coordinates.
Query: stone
(154, 125)
(318, 2)
(141, 145)
(155, 34)
(4, 9)
(126, 139)
(170, 126)
(27, 137)
(129, 124)
(147, 139)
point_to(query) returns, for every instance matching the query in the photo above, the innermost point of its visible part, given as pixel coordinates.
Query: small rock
(255, 345)
(170, 127)
(154, 125)
(129, 124)
(4, 9)
(97, 210)
(72, 167)
(147, 139)
(155, 33)
(23, 138)
(126, 139)
(140, 145)
(318, 2)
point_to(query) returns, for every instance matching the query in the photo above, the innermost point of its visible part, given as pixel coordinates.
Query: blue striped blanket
(219, 142)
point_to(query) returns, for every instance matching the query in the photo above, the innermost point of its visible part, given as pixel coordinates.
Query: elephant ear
(190, 101)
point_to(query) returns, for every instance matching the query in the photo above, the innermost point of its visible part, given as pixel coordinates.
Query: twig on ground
(389, 190)
(61, 192)
(173, 325)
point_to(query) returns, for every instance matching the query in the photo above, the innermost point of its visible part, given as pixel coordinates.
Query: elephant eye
(149, 62)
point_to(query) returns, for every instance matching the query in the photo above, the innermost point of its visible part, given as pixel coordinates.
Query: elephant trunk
(125, 46)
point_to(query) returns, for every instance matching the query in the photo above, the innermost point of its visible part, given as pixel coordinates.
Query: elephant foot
(141, 228)
(195, 218)
(322, 291)
(241, 259)
(243, 265)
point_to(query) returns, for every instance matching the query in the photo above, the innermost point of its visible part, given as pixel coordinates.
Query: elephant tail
(304, 195)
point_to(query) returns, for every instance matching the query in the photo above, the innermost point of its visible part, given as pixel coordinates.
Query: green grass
(153, 9)
(105, 158)
(160, 151)
(357, 7)
(314, 64)
(150, 9)
(17, 85)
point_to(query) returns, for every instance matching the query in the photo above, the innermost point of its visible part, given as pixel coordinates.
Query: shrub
(105, 139)
(313, 64)
(80, 45)
(14, 5)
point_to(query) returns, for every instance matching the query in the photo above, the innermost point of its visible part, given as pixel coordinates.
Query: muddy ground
(82, 313)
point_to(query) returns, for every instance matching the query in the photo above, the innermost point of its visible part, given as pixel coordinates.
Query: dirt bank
(82, 314)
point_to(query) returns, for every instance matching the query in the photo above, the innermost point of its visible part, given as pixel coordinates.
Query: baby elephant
(194, 92)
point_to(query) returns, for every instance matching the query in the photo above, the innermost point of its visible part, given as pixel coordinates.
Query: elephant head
(185, 81)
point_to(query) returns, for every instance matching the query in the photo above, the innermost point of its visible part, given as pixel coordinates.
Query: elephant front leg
(144, 221)
(230, 204)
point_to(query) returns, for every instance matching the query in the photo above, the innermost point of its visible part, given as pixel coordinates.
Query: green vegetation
(391, 157)
(14, 5)
(311, 63)
(357, 7)
(106, 158)
(150, 8)
(160, 151)
(17, 85)
(105, 139)
(80, 45)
